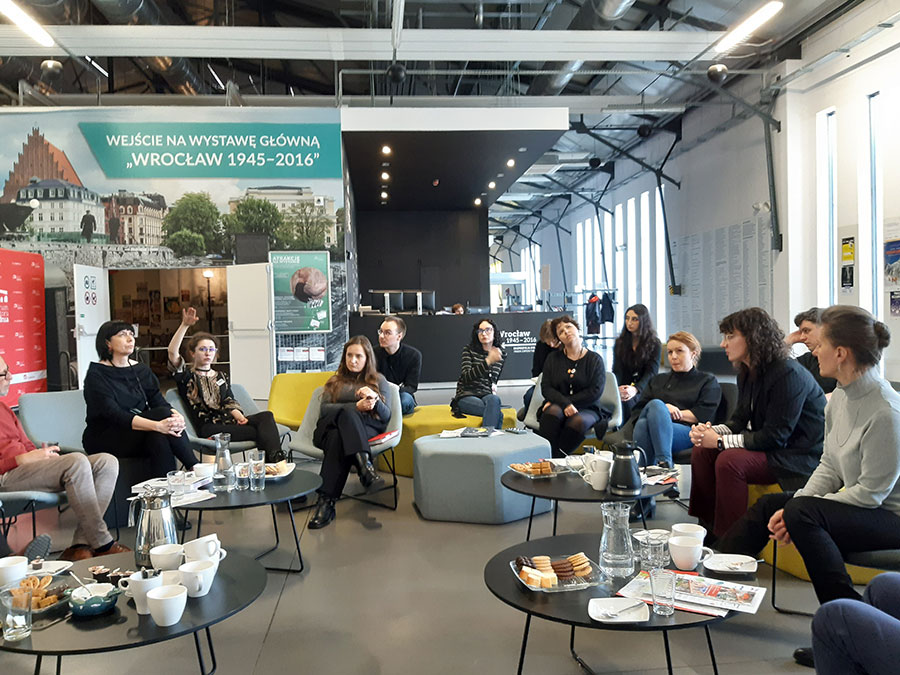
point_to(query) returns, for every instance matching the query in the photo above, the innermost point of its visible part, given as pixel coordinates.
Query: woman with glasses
(208, 396)
(482, 362)
(127, 415)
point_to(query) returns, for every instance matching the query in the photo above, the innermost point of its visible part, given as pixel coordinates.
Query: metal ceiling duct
(593, 15)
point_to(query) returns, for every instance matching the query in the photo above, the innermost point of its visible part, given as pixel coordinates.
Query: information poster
(302, 291)
(22, 322)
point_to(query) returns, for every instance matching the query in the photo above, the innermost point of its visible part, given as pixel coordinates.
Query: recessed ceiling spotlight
(385, 149)
(384, 195)
(385, 175)
(523, 149)
(510, 162)
(436, 182)
(477, 201)
(492, 185)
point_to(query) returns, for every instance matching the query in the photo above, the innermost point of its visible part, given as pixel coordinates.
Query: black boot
(324, 513)
(370, 480)
(804, 656)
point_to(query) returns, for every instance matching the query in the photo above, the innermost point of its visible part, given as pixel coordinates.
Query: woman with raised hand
(775, 434)
(481, 364)
(127, 415)
(673, 401)
(571, 384)
(635, 356)
(353, 411)
(208, 397)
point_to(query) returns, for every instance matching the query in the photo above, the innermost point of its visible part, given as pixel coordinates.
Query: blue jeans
(852, 637)
(407, 403)
(488, 407)
(658, 435)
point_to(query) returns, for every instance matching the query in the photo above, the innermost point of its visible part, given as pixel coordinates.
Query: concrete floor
(388, 592)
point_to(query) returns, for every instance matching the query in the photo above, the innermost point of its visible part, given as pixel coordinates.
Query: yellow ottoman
(428, 420)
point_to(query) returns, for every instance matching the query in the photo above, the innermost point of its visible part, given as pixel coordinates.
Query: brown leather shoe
(115, 548)
(76, 553)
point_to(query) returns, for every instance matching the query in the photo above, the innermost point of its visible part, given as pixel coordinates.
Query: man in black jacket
(808, 328)
(398, 362)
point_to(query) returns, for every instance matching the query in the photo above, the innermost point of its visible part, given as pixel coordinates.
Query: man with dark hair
(398, 362)
(809, 327)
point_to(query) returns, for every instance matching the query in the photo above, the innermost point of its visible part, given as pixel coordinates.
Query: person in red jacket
(88, 480)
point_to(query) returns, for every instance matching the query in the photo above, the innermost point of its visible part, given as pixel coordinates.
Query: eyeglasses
(483, 331)
(206, 350)
(386, 333)
(5, 374)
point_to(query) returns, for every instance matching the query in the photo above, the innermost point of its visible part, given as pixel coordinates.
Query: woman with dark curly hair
(482, 362)
(635, 356)
(776, 433)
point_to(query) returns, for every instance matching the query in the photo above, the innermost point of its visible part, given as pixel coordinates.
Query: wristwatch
(720, 444)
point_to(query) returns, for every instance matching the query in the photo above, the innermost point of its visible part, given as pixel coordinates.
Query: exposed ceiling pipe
(593, 15)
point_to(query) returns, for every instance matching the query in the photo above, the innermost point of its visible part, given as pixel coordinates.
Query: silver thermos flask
(155, 523)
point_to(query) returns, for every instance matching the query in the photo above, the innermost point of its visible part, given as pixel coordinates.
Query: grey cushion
(54, 417)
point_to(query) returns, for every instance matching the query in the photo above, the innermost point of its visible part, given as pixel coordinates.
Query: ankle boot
(324, 513)
(370, 480)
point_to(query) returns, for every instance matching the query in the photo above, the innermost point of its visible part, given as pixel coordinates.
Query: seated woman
(673, 401)
(546, 345)
(208, 396)
(482, 362)
(851, 502)
(127, 415)
(353, 411)
(572, 383)
(635, 357)
(775, 435)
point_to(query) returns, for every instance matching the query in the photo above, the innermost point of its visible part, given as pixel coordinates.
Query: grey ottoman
(458, 479)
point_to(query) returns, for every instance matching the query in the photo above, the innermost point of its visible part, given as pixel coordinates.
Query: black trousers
(823, 530)
(158, 450)
(565, 433)
(341, 436)
(260, 428)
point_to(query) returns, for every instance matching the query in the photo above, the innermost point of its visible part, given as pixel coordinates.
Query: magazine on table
(702, 595)
(191, 482)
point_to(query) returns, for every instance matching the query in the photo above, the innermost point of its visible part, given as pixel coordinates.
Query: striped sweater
(476, 377)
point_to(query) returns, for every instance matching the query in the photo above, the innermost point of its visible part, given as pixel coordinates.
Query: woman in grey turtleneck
(851, 502)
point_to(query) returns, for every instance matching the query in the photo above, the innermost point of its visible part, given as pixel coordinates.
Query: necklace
(571, 371)
(202, 370)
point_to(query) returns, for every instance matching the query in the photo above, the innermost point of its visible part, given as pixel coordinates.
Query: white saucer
(726, 563)
(51, 567)
(597, 605)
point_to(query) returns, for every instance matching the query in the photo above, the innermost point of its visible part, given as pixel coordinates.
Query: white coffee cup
(138, 585)
(197, 577)
(689, 530)
(204, 470)
(596, 463)
(201, 548)
(688, 552)
(214, 558)
(598, 480)
(166, 604)
(166, 556)
(12, 568)
(170, 577)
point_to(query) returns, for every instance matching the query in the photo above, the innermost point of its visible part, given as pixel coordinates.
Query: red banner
(23, 342)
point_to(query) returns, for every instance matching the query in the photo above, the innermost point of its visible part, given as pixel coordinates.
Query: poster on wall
(302, 291)
(22, 322)
(891, 255)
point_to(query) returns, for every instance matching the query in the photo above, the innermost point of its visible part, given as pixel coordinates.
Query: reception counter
(441, 338)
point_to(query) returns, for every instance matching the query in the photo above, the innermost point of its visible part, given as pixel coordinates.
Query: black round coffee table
(278, 491)
(572, 607)
(239, 581)
(568, 487)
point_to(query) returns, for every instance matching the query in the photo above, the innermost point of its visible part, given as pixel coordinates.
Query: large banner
(301, 286)
(22, 322)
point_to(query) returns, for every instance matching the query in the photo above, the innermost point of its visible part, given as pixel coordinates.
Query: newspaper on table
(191, 482)
(701, 595)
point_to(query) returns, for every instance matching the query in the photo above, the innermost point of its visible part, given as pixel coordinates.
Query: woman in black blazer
(775, 434)
(635, 356)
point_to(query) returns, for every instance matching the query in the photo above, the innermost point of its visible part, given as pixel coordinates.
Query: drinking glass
(16, 603)
(176, 482)
(657, 550)
(662, 585)
(257, 470)
(242, 476)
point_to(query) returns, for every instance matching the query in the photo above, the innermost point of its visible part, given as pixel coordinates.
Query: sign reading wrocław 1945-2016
(302, 290)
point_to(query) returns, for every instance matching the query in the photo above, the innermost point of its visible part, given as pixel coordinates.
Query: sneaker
(38, 548)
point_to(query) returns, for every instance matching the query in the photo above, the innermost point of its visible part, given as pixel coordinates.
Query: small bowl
(93, 600)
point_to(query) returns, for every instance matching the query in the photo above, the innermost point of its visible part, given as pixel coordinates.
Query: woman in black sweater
(353, 411)
(775, 434)
(635, 356)
(480, 368)
(572, 383)
(673, 401)
(127, 415)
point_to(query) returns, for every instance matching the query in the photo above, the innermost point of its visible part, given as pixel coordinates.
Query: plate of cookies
(555, 574)
(47, 594)
(542, 469)
(281, 469)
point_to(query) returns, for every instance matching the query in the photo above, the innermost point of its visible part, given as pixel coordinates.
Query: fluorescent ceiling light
(97, 66)
(28, 25)
(649, 109)
(218, 79)
(744, 29)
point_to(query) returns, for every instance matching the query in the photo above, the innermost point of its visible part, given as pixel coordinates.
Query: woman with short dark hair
(635, 356)
(572, 383)
(127, 415)
(775, 434)
(481, 364)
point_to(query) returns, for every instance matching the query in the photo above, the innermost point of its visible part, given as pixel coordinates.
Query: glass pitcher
(223, 477)
(616, 551)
